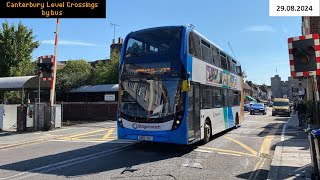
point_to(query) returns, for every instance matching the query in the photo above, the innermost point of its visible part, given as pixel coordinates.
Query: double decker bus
(176, 86)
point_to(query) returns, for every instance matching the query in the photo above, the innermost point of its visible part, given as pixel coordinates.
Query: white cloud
(262, 28)
(70, 43)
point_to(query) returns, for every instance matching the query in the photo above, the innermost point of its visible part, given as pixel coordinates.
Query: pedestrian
(302, 111)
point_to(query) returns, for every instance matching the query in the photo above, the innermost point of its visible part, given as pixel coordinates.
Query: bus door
(193, 119)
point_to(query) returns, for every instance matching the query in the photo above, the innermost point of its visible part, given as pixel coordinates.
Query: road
(95, 153)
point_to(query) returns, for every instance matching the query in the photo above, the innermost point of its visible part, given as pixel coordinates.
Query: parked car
(247, 107)
(258, 108)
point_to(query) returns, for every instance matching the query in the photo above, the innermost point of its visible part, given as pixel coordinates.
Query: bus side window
(217, 101)
(229, 64)
(223, 97)
(194, 45)
(234, 67)
(239, 70)
(215, 56)
(206, 97)
(223, 59)
(236, 98)
(206, 52)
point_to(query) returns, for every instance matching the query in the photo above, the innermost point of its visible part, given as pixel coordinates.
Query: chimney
(116, 47)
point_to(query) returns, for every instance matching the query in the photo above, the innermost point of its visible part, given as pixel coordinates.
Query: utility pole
(114, 29)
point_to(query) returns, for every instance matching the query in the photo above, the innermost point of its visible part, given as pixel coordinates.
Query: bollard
(316, 136)
(21, 118)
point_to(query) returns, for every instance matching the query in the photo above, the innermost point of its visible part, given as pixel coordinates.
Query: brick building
(310, 25)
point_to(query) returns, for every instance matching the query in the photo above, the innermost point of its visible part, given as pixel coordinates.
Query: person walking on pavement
(302, 111)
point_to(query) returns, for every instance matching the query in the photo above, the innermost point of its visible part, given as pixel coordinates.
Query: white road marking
(66, 163)
(229, 154)
(284, 129)
(200, 150)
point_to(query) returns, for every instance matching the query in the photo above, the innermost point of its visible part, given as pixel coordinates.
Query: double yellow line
(230, 152)
(264, 151)
(88, 134)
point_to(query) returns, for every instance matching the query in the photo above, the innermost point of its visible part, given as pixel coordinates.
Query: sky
(258, 40)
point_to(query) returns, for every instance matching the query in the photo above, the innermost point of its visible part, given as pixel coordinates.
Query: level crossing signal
(46, 67)
(304, 54)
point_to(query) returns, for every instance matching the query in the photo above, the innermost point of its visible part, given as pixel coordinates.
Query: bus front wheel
(207, 132)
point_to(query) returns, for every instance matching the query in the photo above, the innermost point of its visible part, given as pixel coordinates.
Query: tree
(16, 47)
(107, 73)
(76, 73)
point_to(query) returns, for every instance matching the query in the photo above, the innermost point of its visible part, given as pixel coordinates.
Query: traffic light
(304, 54)
(46, 67)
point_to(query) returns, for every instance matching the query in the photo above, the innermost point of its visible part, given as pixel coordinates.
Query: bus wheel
(207, 132)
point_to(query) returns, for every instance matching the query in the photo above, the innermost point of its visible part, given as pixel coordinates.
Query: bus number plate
(145, 138)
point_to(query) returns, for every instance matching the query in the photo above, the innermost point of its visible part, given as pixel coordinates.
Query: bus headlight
(177, 122)
(120, 121)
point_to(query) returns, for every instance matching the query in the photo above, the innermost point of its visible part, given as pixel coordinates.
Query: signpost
(304, 54)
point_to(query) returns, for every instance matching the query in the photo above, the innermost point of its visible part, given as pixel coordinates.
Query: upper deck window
(194, 45)
(223, 58)
(154, 51)
(164, 41)
(206, 51)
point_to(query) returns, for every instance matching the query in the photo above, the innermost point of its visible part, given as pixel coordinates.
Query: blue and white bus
(176, 86)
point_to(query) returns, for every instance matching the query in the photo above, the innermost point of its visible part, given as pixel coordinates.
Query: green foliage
(13, 97)
(76, 73)
(16, 47)
(107, 73)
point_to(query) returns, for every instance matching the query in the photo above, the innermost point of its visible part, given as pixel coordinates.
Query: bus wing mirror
(185, 85)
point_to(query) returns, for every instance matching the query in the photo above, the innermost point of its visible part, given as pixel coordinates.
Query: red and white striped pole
(53, 81)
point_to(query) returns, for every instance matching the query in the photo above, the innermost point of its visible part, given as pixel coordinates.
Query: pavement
(291, 159)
